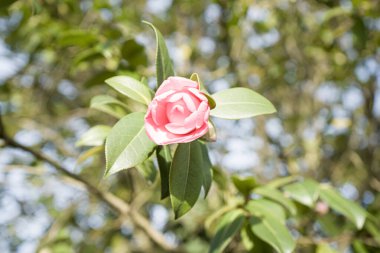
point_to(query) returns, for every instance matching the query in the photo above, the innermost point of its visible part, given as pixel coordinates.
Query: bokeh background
(317, 61)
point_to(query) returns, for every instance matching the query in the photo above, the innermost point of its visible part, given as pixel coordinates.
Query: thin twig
(117, 204)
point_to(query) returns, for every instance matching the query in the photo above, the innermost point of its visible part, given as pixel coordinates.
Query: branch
(117, 204)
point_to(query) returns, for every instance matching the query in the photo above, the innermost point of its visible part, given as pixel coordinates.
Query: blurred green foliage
(318, 62)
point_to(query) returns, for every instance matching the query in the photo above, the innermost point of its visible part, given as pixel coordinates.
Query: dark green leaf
(186, 177)
(228, 227)
(127, 145)
(164, 158)
(206, 169)
(164, 65)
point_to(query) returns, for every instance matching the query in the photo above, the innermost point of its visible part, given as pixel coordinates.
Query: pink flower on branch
(178, 113)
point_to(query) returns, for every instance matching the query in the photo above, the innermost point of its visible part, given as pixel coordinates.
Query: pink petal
(198, 94)
(176, 83)
(176, 128)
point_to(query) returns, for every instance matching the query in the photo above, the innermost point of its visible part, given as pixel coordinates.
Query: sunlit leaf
(239, 103)
(131, 88)
(350, 209)
(109, 105)
(95, 136)
(127, 144)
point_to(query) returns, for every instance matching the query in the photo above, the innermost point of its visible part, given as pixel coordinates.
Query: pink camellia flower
(178, 113)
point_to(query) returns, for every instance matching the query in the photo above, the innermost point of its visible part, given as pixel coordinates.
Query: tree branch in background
(117, 204)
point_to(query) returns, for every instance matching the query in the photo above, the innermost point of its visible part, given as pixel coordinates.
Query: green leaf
(239, 103)
(274, 232)
(127, 145)
(324, 248)
(229, 225)
(210, 136)
(305, 192)
(147, 170)
(244, 185)
(350, 209)
(186, 177)
(264, 207)
(164, 65)
(206, 169)
(164, 158)
(277, 196)
(211, 101)
(131, 88)
(109, 105)
(95, 136)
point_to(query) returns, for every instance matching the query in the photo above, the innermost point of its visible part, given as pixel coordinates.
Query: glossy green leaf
(277, 196)
(127, 145)
(164, 65)
(305, 192)
(186, 177)
(206, 169)
(244, 185)
(274, 232)
(350, 209)
(131, 88)
(229, 225)
(164, 159)
(95, 136)
(239, 103)
(260, 207)
(109, 105)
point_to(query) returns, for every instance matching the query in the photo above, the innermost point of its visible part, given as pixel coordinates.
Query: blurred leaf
(279, 182)
(351, 210)
(76, 38)
(244, 185)
(259, 207)
(95, 136)
(98, 78)
(164, 65)
(164, 158)
(277, 196)
(186, 177)
(89, 153)
(325, 248)
(229, 225)
(147, 170)
(358, 247)
(305, 192)
(127, 144)
(131, 88)
(109, 105)
(252, 243)
(134, 53)
(274, 232)
(239, 103)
